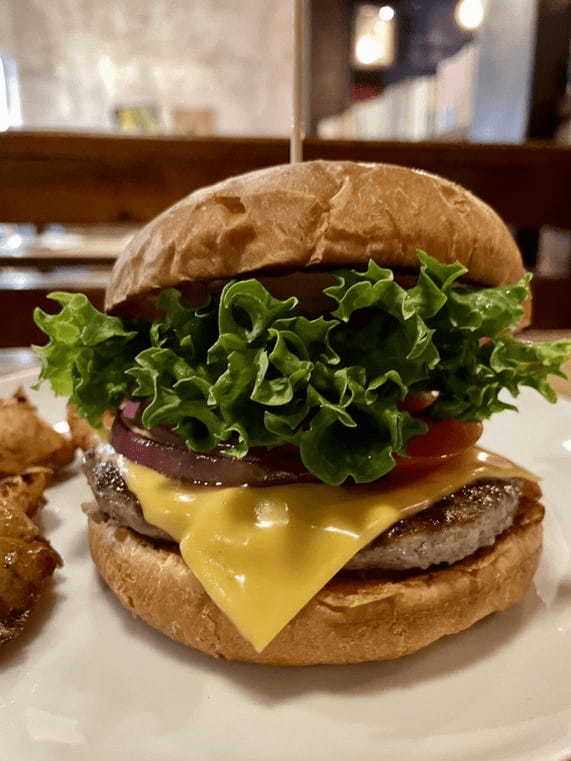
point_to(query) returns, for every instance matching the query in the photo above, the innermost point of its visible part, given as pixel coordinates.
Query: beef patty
(448, 531)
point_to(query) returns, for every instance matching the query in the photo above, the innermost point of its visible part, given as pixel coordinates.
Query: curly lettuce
(248, 369)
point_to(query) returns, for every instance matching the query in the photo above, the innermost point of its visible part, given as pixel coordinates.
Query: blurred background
(207, 67)
(109, 111)
(485, 70)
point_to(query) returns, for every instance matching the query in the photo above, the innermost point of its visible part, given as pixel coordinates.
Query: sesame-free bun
(315, 214)
(352, 619)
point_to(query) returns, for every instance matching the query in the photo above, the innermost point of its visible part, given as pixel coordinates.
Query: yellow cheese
(263, 553)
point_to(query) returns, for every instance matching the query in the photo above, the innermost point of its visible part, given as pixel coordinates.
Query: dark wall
(427, 33)
(521, 78)
(330, 52)
(552, 68)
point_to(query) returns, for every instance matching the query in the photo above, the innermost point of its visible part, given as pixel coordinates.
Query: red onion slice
(131, 414)
(261, 467)
(131, 410)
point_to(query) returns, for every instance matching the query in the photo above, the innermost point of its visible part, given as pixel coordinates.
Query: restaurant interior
(278, 481)
(110, 112)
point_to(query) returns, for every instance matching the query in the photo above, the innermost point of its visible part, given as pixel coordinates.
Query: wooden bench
(106, 179)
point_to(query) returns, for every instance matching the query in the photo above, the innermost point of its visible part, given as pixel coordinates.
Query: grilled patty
(450, 530)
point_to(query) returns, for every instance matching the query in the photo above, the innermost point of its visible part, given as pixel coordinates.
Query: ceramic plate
(87, 681)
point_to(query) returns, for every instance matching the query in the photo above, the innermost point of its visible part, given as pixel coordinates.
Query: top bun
(315, 214)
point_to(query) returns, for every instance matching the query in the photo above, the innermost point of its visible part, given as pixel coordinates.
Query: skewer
(297, 125)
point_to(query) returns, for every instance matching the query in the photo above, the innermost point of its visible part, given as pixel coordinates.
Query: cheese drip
(262, 553)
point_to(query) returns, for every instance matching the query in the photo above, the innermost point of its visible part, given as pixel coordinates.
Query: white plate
(87, 681)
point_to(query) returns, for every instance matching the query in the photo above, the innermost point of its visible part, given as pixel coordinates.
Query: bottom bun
(352, 619)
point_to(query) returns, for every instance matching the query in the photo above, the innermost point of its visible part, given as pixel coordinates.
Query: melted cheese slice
(263, 553)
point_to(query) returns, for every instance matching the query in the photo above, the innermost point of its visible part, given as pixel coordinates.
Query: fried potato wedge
(30, 451)
(26, 439)
(27, 561)
(24, 492)
(82, 434)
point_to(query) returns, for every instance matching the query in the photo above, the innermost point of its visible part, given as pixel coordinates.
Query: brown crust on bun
(315, 214)
(351, 620)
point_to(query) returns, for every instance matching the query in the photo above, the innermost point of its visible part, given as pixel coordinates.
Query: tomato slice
(443, 440)
(418, 402)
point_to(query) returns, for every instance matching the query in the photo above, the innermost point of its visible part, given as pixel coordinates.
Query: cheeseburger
(293, 367)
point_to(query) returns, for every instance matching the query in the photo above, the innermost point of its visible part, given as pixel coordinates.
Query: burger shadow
(451, 654)
(65, 474)
(564, 595)
(46, 520)
(274, 685)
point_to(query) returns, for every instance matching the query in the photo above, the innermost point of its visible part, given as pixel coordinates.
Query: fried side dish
(27, 561)
(24, 492)
(26, 439)
(82, 434)
(30, 452)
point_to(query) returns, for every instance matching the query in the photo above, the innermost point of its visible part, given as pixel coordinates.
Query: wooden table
(42, 258)
(82, 178)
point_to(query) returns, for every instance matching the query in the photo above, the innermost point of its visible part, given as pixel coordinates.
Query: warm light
(386, 13)
(469, 14)
(374, 36)
(368, 49)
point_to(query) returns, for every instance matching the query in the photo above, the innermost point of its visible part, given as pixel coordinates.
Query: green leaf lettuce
(251, 370)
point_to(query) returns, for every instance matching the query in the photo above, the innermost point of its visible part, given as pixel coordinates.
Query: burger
(290, 378)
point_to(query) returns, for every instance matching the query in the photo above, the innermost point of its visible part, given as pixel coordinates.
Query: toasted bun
(316, 214)
(349, 621)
